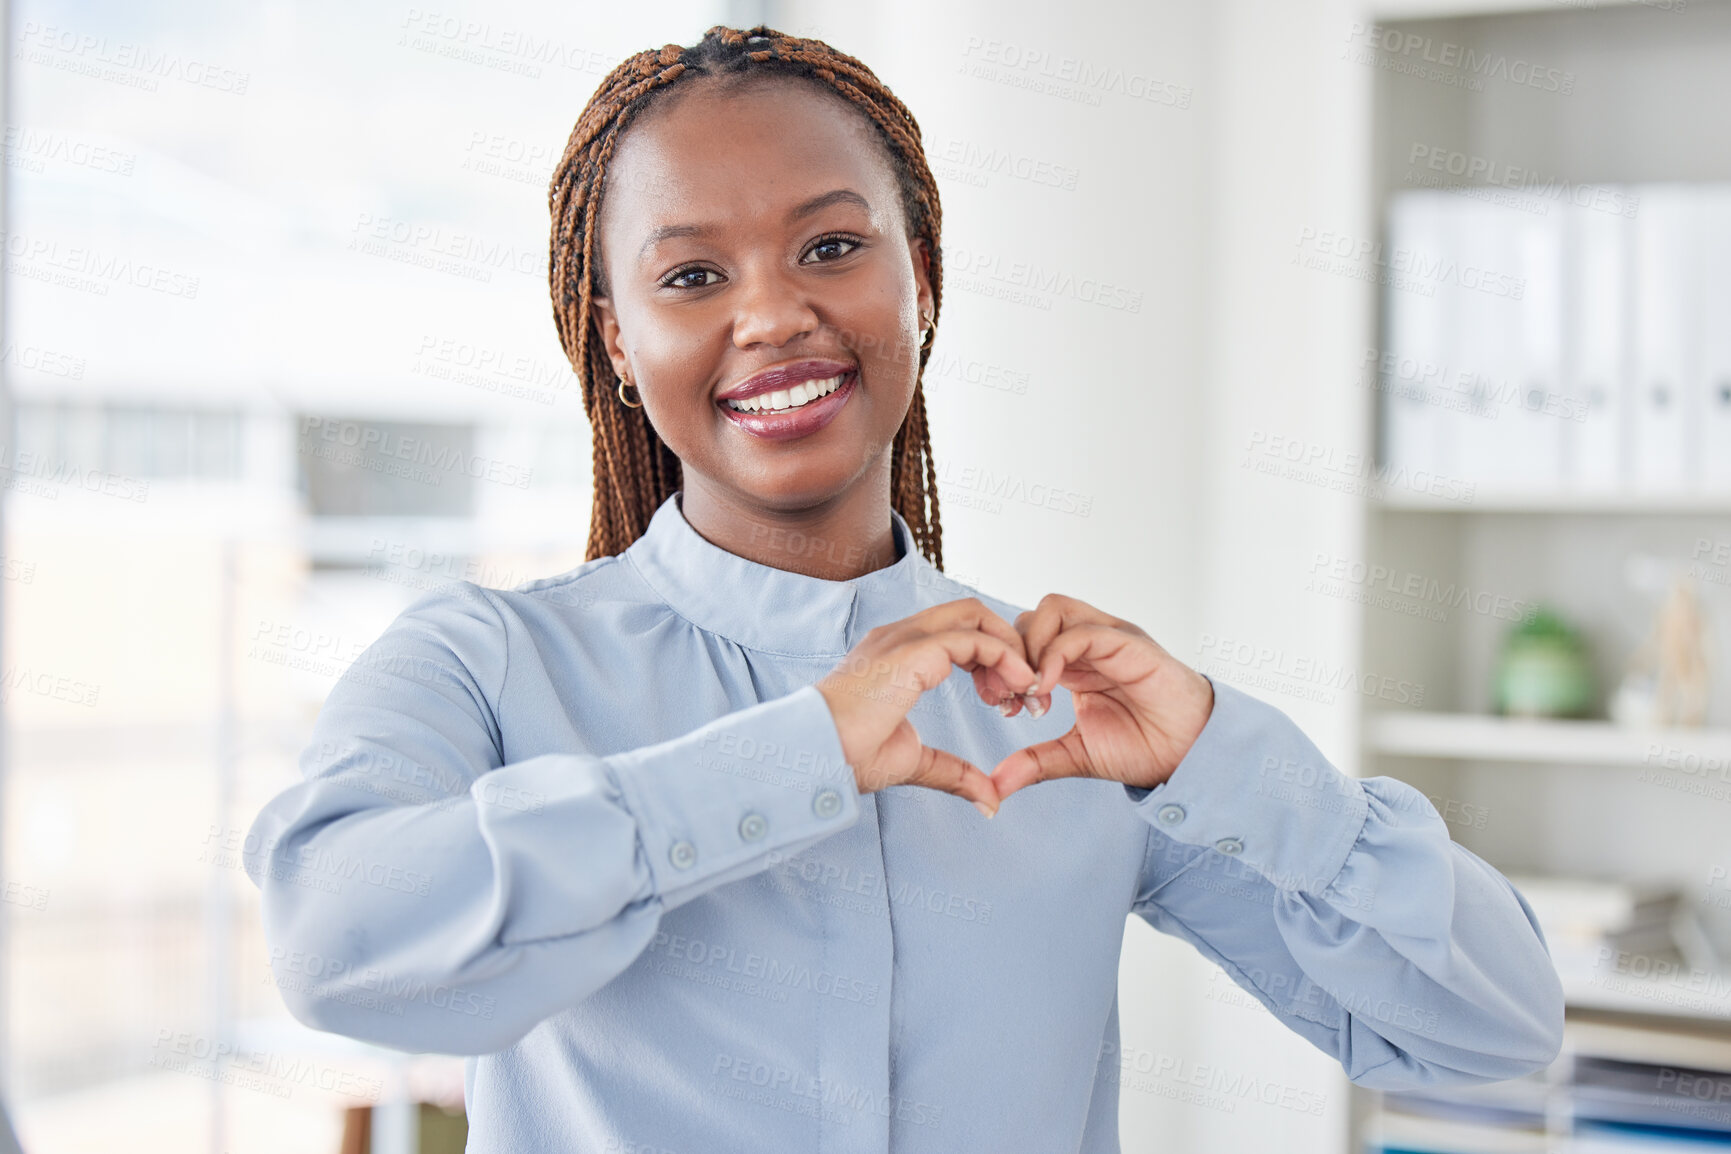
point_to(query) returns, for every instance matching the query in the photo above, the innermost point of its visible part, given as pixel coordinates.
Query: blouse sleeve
(420, 893)
(1344, 907)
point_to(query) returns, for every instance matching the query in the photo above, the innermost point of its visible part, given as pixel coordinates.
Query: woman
(674, 845)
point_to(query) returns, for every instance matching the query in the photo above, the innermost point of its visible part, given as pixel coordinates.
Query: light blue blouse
(598, 833)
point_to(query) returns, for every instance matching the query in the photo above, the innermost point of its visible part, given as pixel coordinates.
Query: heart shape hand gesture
(1138, 710)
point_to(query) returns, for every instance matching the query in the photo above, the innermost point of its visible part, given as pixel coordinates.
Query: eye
(679, 278)
(837, 246)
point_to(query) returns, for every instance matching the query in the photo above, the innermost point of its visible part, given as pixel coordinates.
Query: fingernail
(981, 806)
(1035, 709)
(1006, 707)
(1035, 684)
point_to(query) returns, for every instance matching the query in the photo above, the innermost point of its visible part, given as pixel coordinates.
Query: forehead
(716, 151)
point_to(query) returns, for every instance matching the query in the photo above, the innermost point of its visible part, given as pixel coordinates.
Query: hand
(874, 686)
(1138, 708)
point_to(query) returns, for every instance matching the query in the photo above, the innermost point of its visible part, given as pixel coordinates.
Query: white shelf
(1387, 10)
(1478, 737)
(1698, 996)
(1631, 504)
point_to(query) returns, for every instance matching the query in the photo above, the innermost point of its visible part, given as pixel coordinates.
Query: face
(755, 237)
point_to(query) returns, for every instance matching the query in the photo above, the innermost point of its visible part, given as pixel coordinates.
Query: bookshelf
(1651, 103)
(1485, 737)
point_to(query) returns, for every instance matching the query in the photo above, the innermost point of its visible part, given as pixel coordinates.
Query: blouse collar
(769, 609)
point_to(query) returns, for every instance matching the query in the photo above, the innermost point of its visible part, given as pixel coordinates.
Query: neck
(837, 541)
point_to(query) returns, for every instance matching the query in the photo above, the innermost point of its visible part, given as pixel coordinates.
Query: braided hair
(635, 471)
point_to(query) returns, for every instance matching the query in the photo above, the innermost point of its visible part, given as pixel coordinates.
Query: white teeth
(786, 400)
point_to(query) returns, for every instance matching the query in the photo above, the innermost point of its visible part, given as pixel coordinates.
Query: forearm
(419, 895)
(1355, 917)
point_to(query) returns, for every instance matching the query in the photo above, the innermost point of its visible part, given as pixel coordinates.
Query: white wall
(1200, 209)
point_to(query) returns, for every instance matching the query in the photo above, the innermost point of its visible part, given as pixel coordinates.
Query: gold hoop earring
(928, 335)
(631, 404)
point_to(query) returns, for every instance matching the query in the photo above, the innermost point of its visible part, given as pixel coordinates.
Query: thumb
(944, 771)
(1064, 756)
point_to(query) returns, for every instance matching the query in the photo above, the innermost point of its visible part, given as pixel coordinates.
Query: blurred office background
(1380, 353)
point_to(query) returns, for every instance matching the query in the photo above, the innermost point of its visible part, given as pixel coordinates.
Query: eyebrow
(800, 212)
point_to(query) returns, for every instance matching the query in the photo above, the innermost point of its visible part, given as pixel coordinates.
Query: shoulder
(476, 619)
(939, 587)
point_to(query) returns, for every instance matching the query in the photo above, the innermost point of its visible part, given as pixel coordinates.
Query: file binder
(1412, 369)
(1596, 349)
(1666, 293)
(1714, 216)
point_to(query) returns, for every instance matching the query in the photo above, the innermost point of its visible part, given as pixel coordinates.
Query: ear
(607, 320)
(922, 255)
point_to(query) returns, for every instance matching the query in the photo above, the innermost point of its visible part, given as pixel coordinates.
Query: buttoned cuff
(711, 806)
(1253, 787)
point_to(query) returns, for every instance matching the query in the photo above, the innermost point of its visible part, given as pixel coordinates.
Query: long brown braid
(635, 471)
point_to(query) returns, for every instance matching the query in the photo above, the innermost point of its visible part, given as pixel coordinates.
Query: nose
(771, 310)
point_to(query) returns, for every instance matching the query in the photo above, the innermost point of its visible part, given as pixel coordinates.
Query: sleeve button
(1229, 845)
(827, 803)
(1170, 814)
(682, 854)
(753, 826)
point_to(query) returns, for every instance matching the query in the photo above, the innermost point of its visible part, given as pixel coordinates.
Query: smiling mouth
(787, 400)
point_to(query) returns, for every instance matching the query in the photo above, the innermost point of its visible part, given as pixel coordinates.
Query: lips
(810, 404)
(782, 377)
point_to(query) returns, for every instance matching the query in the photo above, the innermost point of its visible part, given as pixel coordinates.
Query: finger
(942, 770)
(995, 693)
(972, 613)
(1055, 614)
(1092, 657)
(1064, 756)
(972, 648)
